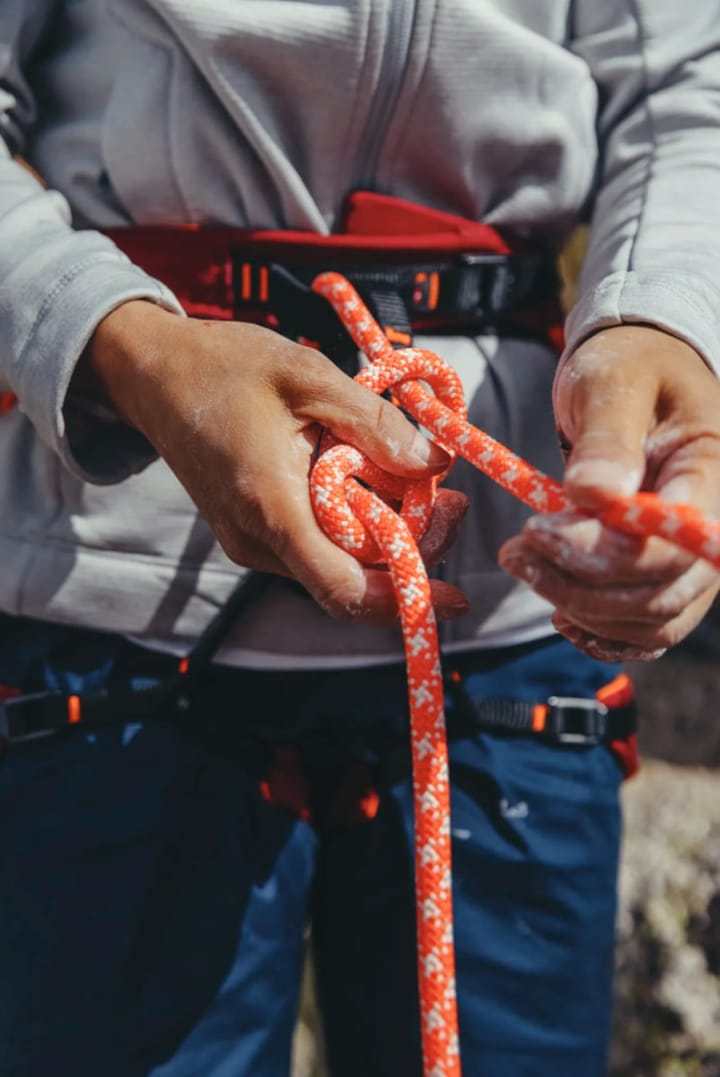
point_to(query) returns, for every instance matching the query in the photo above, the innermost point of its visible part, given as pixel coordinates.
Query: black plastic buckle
(572, 720)
(27, 717)
(298, 312)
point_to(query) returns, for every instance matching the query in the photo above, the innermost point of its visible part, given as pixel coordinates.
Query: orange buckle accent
(264, 287)
(617, 692)
(245, 281)
(285, 785)
(433, 290)
(254, 282)
(396, 336)
(74, 710)
(426, 290)
(356, 801)
(539, 717)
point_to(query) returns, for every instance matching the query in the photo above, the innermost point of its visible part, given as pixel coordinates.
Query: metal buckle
(29, 717)
(571, 720)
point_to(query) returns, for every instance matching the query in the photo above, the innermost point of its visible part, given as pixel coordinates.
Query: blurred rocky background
(667, 1009)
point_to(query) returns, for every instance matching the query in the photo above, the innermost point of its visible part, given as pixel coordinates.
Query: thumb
(605, 415)
(361, 418)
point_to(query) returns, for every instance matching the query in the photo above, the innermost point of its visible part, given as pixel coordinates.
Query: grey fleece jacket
(246, 112)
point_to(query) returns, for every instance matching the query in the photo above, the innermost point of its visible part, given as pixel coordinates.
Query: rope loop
(348, 495)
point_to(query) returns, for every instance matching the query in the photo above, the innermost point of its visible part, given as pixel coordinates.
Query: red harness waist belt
(416, 268)
(449, 272)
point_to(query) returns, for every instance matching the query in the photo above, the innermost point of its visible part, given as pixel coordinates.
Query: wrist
(121, 357)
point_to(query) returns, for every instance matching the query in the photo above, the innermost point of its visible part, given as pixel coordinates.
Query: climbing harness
(365, 524)
(418, 269)
(443, 274)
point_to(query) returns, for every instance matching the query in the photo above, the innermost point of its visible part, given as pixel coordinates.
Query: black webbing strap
(566, 720)
(42, 714)
(562, 719)
(473, 292)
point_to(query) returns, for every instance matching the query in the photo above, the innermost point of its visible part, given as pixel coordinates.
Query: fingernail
(609, 474)
(520, 568)
(571, 633)
(449, 612)
(428, 453)
(542, 536)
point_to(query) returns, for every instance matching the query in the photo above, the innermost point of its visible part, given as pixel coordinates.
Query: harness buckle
(31, 716)
(451, 292)
(573, 720)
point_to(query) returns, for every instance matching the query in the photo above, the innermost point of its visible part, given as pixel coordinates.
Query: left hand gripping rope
(363, 524)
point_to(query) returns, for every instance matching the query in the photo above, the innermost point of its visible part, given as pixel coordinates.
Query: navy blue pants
(157, 879)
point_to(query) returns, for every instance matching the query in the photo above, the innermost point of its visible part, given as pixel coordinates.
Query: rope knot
(344, 506)
(353, 498)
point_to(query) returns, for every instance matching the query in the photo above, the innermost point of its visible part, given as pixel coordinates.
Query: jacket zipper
(392, 72)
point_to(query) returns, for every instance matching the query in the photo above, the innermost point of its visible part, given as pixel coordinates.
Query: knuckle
(669, 606)
(605, 650)
(337, 605)
(232, 545)
(280, 541)
(666, 636)
(315, 367)
(674, 600)
(390, 425)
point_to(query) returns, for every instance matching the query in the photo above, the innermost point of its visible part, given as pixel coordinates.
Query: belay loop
(365, 525)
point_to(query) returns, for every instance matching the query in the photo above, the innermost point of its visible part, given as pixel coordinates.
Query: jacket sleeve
(654, 252)
(56, 284)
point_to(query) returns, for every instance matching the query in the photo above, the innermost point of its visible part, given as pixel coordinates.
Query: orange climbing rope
(357, 517)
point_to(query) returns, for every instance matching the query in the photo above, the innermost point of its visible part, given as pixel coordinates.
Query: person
(157, 874)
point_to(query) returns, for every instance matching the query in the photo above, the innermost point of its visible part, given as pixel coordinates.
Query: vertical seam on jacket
(171, 141)
(412, 104)
(641, 41)
(139, 32)
(347, 163)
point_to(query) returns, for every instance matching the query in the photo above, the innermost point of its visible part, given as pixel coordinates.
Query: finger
(604, 650)
(448, 601)
(335, 579)
(246, 552)
(361, 418)
(689, 474)
(605, 409)
(352, 592)
(596, 605)
(380, 606)
(587, 550)
(448, 513)
(644, 636)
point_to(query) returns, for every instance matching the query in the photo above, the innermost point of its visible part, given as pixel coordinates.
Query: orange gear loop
(363, 524)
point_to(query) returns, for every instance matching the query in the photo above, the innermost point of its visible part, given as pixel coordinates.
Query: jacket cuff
(94, 447)
(681, 304)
